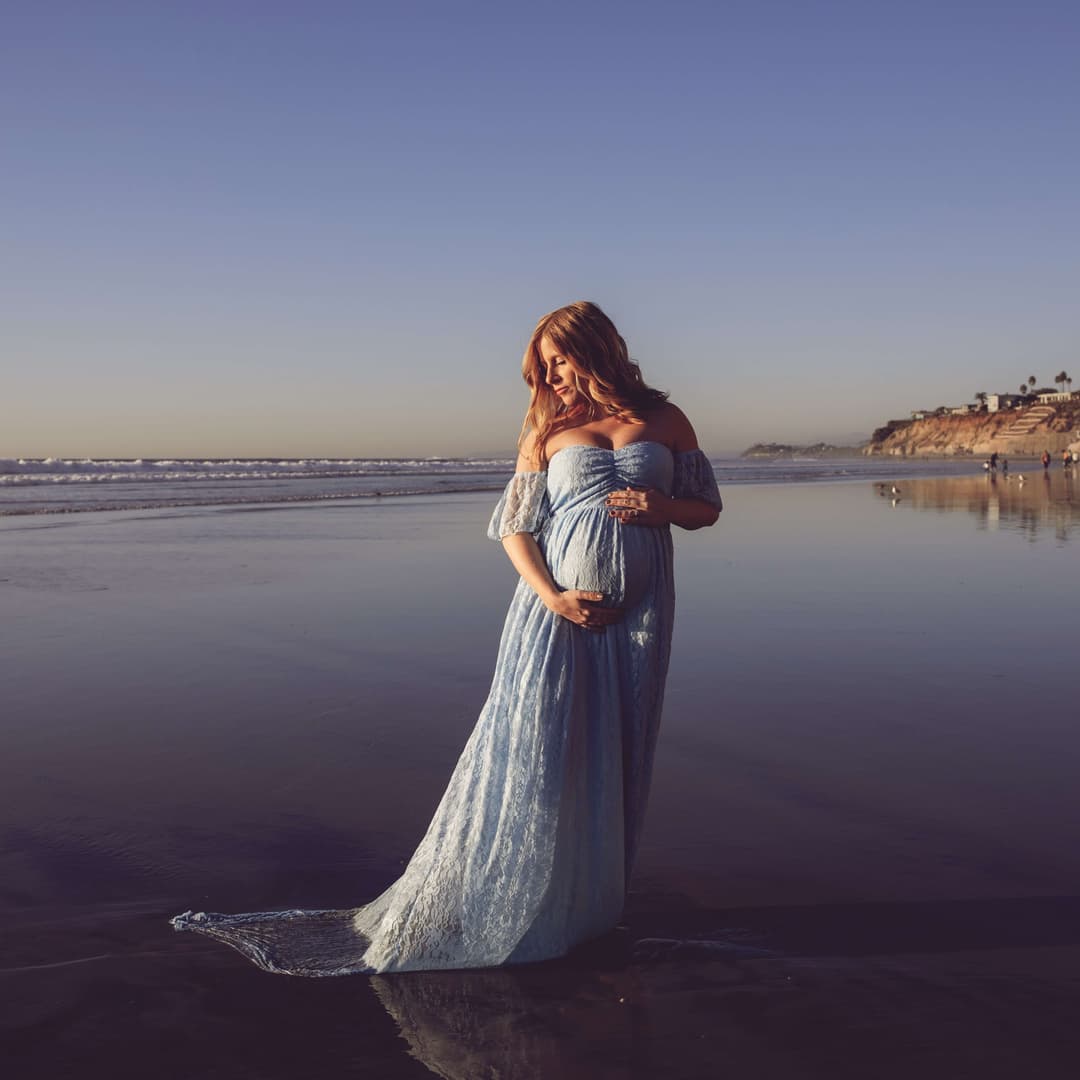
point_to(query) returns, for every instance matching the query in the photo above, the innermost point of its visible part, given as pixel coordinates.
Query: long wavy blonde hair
(608, 382)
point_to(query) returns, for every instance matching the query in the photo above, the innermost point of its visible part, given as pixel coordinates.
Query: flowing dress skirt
(530, 850)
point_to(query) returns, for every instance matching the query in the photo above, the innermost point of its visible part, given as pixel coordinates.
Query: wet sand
(862, 849)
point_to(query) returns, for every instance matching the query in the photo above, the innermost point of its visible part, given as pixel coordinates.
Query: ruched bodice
(587, 548)
(531, 848)
(585, 475)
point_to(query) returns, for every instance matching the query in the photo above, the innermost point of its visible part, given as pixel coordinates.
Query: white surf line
(58, 964)
(79, 960)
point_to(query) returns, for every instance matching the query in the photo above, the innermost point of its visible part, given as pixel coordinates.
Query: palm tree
(1060, 378)
(1023, 388)
(1033, 381)
(980, 397)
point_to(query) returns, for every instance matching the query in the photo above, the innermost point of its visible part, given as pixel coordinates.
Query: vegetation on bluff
(787, 450)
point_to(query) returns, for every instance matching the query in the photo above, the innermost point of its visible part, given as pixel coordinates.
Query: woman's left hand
(640, 506)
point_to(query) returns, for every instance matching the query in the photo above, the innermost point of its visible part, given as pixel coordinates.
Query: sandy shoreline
(861, 832)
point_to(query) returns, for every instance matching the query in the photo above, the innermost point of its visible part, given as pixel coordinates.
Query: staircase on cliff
(1027, 422)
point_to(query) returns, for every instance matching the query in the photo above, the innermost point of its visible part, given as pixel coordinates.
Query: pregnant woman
(530, 850)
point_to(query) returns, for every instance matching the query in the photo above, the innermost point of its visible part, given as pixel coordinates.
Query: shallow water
(864, 814)
(73, 485)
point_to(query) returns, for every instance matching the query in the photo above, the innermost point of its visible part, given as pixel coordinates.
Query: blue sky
(328, 228)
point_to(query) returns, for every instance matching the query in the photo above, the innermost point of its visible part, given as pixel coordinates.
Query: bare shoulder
(529, 456)
(679, 432)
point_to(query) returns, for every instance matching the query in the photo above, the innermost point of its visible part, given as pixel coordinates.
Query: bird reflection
(1049, 507)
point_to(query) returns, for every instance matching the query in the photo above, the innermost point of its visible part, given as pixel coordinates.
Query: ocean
(67, 485)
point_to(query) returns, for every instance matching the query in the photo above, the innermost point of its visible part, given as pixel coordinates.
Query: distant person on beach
(993, 461)
(1046, 459)
(1066, 459)
(531, 849)
(1004, 464)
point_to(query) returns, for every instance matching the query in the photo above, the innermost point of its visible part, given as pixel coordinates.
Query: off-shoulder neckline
(610, 449)
(619, 449)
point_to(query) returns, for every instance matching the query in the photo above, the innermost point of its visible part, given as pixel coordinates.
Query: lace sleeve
(523, 506)
(694, 478)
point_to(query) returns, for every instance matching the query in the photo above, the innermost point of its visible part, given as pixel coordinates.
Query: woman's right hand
(579, 606)
(582, 607)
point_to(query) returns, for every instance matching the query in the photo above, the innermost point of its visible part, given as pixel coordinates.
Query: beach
(861, 852)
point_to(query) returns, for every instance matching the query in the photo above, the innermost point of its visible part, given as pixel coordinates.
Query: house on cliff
(1054, 397)
(997, 402)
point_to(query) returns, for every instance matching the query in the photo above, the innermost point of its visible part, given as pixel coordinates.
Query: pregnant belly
(599, 554)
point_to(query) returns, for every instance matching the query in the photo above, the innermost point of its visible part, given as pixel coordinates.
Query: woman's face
(557, 370)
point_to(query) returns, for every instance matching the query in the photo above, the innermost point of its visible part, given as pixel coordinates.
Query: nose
(551, 377)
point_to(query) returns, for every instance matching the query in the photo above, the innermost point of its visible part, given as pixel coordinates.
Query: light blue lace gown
(530, 850)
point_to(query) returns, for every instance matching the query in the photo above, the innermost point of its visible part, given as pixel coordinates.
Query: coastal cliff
(1017, 432)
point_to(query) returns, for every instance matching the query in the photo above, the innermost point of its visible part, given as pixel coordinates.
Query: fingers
(587, 613)
(637, 506)
(586, 596)
(627, 497)
(624, 508)
(628, 505)
(635, 516)
(592, 602)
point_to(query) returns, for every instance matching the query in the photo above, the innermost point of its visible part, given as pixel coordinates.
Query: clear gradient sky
(318, 228)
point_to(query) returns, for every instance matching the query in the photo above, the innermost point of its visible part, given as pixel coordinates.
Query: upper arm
(682, 434)
(529, 454)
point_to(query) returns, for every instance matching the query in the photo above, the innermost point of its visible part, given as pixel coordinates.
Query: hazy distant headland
(814, 450)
